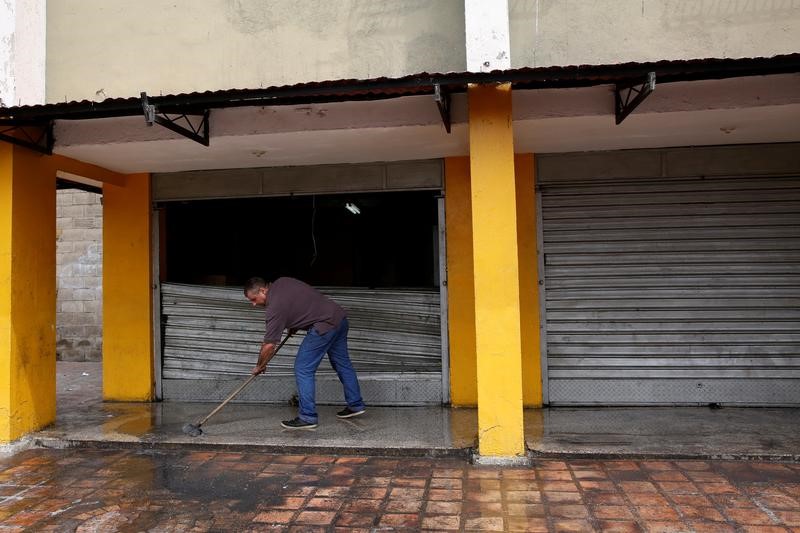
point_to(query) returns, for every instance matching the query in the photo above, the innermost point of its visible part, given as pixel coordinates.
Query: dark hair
(254, 284)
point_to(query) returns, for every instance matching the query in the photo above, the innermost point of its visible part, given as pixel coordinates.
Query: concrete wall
(22, 52)
(309, 179)
(778, 159)
(79, 256)
(98, 49)
(7, 30)
(577, 32)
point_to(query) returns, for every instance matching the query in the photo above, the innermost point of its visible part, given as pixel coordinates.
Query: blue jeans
(309, 356)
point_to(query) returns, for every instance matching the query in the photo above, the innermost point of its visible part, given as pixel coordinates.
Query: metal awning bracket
(198, 133)
(443, 103)
(34, 135)
(634, 95)
(149, 110)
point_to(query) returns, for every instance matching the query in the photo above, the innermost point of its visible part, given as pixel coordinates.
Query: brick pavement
(106, 490)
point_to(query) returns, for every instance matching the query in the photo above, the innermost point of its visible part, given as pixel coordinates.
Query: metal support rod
(634, 96)
(191, 132)
(153, 116)
(148, 109)
(443, 103)
(36, 136)
(239, 388)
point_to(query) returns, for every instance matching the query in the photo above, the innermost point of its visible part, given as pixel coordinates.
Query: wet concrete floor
(84, 420)
(667, 432)
(134, 490)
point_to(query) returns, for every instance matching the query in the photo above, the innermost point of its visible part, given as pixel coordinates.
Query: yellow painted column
(528, 281)
(27, 292)
(460, 288)
(496, 265)
(127, 298)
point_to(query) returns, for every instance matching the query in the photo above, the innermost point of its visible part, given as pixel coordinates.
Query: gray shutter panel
(673, 291)
(211, 335)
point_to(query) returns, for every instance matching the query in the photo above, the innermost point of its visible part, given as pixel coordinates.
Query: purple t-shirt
(292, 304)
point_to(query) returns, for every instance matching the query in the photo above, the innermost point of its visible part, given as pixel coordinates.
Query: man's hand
(264, 357)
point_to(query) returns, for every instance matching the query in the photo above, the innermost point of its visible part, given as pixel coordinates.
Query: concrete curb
(56, 443)
(664, 456)
(14, 447)
(468, 454)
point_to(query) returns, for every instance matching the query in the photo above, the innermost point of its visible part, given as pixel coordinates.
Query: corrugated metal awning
(415, 84)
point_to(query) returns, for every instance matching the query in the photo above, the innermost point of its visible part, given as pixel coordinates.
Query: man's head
(255, 290)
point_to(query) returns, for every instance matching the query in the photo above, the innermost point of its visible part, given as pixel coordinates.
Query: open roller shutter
(678, 291)
(211, 335)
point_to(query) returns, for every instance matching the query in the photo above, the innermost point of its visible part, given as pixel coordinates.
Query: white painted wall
(7, 25)
(22, 52)
(31, 50)
(487, 35)
(580, 32)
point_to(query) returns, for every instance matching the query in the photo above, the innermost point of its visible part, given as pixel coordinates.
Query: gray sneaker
(349, 413)
(296, 423)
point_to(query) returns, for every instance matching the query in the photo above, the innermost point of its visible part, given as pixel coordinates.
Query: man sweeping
(291, 304)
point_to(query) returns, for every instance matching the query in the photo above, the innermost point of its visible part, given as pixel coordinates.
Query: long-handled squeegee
(194, 429)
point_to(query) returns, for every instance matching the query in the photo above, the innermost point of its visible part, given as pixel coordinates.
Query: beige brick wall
(79, 250)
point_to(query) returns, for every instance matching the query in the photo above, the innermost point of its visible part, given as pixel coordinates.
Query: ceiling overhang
(716, 101)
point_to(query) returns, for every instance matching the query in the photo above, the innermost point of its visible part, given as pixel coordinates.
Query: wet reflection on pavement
(110, 490)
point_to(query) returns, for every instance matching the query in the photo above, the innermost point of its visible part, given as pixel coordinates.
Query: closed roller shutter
(679, 291)
(211, 336)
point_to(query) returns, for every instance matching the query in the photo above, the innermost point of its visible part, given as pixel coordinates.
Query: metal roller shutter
(673, 291)
(211, 335)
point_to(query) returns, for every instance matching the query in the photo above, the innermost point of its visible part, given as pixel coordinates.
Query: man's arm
(264, 357)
